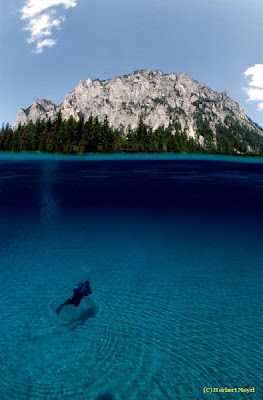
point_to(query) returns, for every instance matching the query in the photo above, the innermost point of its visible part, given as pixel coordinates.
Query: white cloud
(41, 16)
(44, 43)
(255, 86)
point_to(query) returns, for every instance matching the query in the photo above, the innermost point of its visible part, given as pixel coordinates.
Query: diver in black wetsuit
(80, 290)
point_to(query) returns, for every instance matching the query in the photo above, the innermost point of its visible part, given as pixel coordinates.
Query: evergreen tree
(71, 136)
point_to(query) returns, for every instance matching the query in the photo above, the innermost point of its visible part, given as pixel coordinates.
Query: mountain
(158, 99)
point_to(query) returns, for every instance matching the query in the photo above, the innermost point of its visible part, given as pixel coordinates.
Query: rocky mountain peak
(152, 95)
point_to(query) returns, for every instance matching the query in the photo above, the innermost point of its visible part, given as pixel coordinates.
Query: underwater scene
(172, 248)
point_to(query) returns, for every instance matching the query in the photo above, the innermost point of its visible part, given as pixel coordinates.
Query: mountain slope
(158, 98)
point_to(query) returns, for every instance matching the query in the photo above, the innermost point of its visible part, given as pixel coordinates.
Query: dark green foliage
(93, 136)
(159, 100)
(235, 139)
(203, 129)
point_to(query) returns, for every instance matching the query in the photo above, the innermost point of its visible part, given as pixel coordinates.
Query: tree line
(93, 136)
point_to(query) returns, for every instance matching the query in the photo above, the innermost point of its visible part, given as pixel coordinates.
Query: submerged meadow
(172, 246)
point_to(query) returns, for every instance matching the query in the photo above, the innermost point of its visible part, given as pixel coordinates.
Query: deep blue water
(172, 246)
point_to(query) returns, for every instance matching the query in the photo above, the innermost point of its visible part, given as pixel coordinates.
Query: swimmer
(81, 290)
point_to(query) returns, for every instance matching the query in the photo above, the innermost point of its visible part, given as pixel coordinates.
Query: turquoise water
(172, 246)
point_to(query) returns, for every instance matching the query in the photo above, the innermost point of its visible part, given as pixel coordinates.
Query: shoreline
(37, 155)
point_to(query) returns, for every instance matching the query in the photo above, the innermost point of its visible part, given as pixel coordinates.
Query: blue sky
(45, 50)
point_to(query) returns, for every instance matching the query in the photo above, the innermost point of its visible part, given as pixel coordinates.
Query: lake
(172, 246)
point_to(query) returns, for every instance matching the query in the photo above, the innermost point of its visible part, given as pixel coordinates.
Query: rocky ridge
(157, 98)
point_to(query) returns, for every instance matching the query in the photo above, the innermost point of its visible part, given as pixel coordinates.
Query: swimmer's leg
(66, 303)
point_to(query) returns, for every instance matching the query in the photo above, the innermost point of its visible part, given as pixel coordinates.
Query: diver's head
(89, 291)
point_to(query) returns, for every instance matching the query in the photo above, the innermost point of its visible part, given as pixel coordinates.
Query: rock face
(40, 109)
(157, 98)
